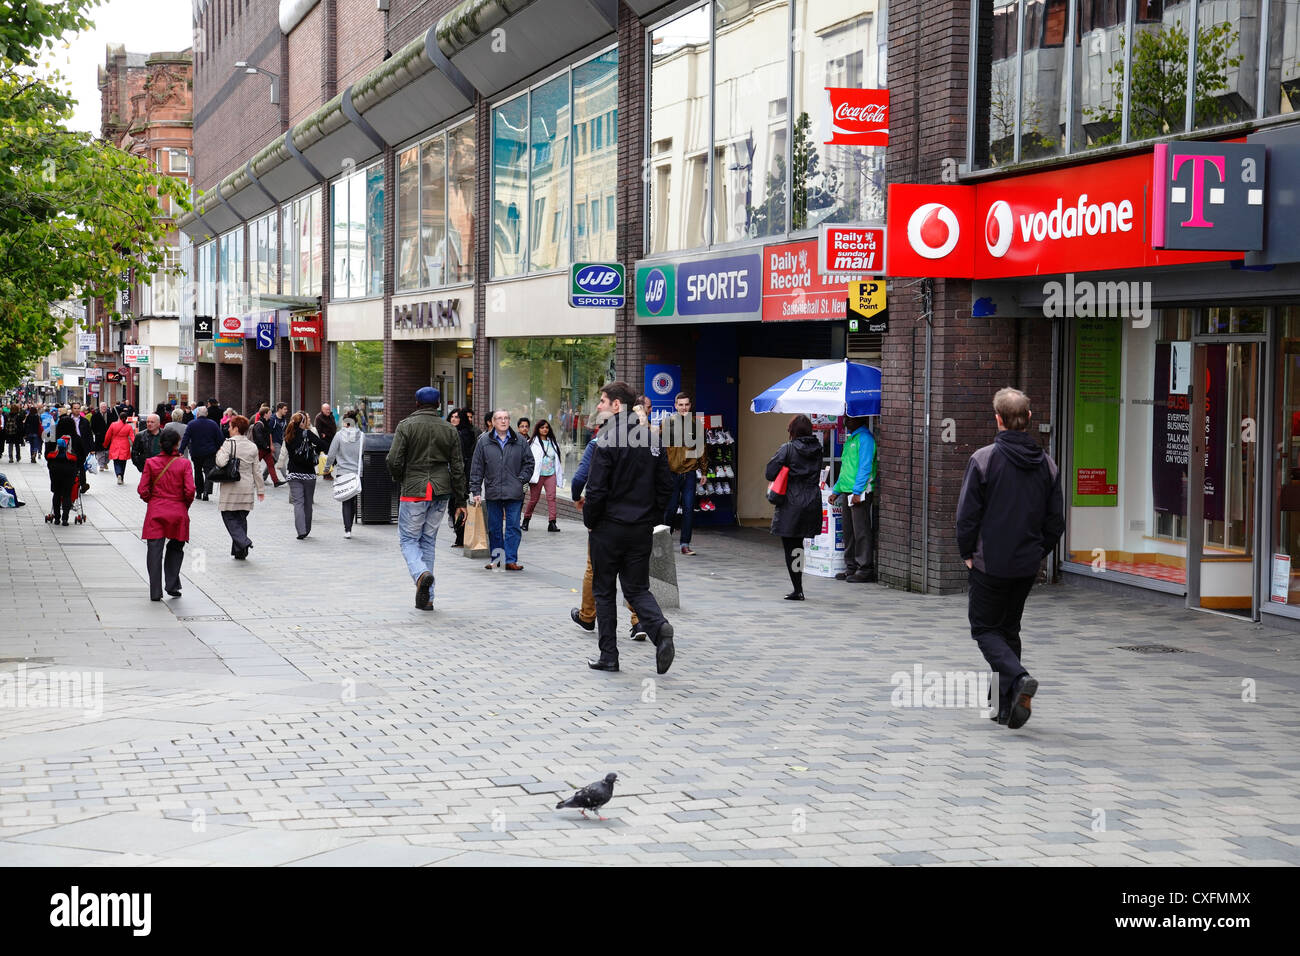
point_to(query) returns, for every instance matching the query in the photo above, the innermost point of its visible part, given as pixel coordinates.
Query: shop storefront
(433, 344)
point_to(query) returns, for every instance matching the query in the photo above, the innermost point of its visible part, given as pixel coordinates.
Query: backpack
(259, 435)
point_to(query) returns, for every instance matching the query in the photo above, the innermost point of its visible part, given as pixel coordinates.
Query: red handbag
(776, 490)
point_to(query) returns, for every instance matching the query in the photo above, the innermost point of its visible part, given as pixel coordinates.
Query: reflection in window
(435, 210)
(408, 219)
(548, 126)
(834, 46)
(751, 74)
(458, 257)
(357, 208)
(302, 245)
(509, 186)
(679, 128)
(595, 171)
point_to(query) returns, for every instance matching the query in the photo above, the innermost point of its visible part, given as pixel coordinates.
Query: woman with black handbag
(238, 471)
(798, 512)
(303, 449)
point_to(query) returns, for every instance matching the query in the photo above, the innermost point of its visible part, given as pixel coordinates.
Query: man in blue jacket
(203, 438)
(1010, 515)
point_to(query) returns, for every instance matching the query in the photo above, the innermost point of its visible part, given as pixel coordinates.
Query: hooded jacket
(345, 451)
(1011, 512)
(800, 515)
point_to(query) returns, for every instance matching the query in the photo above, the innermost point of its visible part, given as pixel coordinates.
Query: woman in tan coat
(236, 497)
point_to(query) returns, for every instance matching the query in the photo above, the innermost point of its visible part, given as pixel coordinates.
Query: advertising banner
(868, 310)
(794, 290)
(1097, 397)
(1171, 428)
(857, 117)
(851, 249)
(597, 285)
(720, 286)
(1208, 196)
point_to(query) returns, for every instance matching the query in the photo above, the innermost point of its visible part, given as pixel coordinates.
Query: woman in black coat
(800, 515)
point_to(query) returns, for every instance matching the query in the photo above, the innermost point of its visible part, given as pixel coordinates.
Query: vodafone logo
(933, 230)
(997, 229)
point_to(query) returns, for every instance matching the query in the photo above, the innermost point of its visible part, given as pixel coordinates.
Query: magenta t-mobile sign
(1208, 196)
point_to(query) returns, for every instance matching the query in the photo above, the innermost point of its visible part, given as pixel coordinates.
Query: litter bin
(379, 493)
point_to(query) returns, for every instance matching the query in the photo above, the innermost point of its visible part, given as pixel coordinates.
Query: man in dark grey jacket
(1010, 515)
(501, 467)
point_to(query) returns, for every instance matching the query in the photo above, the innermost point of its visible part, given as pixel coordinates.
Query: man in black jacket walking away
(627, 490)
(1010, 515)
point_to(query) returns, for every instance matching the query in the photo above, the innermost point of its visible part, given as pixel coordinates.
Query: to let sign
(136, 354)
(858, 117)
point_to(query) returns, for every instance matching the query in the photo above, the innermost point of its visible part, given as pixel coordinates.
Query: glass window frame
(1135, 13)
(445, 134)
(569, 154)
(346, 185)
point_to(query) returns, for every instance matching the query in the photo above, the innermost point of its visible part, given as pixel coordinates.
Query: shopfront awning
(415, 89)
(643, 8)
(535, 34)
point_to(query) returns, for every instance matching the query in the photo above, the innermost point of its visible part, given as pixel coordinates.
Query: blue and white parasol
(841, 388)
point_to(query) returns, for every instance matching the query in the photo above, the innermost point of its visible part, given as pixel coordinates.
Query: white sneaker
(347, 534)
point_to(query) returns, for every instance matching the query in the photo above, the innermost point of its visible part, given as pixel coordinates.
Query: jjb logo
(656, 291)
(597, 279)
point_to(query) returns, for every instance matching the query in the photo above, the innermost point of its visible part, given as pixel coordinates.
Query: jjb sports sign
(597, 285)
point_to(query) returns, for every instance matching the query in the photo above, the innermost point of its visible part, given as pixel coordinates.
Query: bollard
(663, 568)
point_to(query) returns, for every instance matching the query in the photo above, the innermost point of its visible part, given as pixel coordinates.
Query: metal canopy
(538, 32)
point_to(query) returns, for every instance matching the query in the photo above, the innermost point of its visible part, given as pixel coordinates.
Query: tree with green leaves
(76, 214)
(1158, 93)
(814, 187)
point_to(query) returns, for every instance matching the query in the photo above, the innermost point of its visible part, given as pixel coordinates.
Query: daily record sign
(850, 249)
(597, 285)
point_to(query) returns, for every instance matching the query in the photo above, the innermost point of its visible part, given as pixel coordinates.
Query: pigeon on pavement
(591, 797)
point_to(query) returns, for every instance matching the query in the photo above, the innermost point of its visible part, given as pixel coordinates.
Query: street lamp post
(253, 70)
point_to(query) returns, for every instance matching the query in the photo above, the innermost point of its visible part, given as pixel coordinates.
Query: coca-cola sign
(858, 117)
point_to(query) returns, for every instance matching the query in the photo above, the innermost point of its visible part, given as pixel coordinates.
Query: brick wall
(361, 39)
(205, 381)
(408, 19)
(629, 245)
(233, 114)
(306, 65)
(229, 385)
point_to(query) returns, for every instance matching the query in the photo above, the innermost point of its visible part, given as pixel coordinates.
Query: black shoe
(423, 585)
(634, 631)
(577, 619)
(794, 596)
(842, 576)
(664, 650)
(1022, 694)
(176, 593)
(552, 527)
(524, 526)
(65, 522)
(1000, 717)
(602, 665)
(862, 577)
(301, 536)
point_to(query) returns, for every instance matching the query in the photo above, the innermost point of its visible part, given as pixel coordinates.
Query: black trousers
(622, 552)
(858, 553)
(350, 512)
(62, 502)
(237, 525)
(160, 567)
(995, 606)
(202, 465)
(793, 548)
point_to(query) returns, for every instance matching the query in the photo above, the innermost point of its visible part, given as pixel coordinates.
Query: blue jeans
(683, 489)
(417, 533)
(508, 511)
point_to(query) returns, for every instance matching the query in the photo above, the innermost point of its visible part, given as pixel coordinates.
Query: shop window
(509, 186)
(231, 288)
(549, 184)
(408, 220)
(751, 50)
(595, 98)
(833, 183)
(679, 104)
(555, 380)
(303, 249)
(458, 256)
(1286, 477)
(357, 211)
(358, 382)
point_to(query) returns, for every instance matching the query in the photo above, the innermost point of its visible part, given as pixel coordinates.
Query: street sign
(867, 307)
(597, 285)
(265, 335)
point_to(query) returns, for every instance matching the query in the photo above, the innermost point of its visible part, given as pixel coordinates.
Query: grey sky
(144, 26)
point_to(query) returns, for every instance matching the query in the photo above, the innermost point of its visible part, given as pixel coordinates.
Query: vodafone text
(1077, 220)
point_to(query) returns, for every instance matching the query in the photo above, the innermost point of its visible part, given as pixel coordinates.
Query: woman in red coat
(118, 440)
(169, 490)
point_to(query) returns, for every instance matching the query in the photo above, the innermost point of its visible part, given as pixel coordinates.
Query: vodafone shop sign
(1080, 219)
